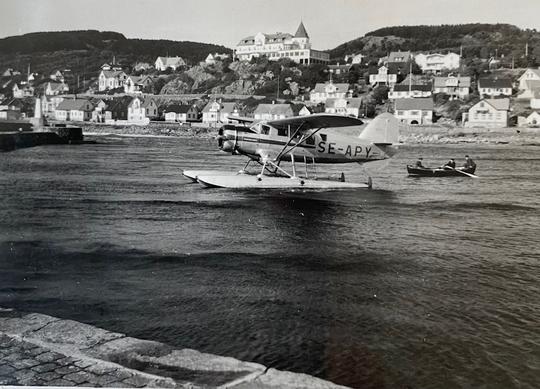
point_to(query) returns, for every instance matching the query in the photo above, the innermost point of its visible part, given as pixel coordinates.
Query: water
(421, 282)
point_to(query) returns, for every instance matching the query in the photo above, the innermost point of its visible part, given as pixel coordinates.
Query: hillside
(85, 51)
(476, 40)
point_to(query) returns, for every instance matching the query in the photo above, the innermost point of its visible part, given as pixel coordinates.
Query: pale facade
(489, 113)
(404, 91)
(111, 79)
(164, 63)
(217, 112)
(273, 111)
(453, 86)
(344, 106)
(435, 63)
(141, 110)
(528, 75)
(414, 111)
(281, 45)
(495, 87)
(383, 77)
(328, 90)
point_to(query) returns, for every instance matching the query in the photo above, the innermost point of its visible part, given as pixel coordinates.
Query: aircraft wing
(241, 119)
(316, 121)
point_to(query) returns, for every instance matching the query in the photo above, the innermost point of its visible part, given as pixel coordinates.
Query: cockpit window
(265, 130)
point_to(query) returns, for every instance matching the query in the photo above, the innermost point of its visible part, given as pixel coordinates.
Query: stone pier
(41, 350)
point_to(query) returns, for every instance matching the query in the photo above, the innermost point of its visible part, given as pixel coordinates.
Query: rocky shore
(41, 350)
(409, 135)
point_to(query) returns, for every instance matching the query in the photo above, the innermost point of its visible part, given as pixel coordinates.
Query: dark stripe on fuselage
(273, 142)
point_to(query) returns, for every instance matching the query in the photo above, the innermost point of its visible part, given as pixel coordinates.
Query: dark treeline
(112, 43)
(476, 40)
(445, 31)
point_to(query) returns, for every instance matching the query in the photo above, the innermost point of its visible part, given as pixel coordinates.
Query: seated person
(469, 163)
(419, 163)
(450, 164)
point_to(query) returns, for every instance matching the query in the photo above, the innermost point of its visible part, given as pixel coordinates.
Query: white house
(437, 62)
(49, 104)
(141, 110)
(99, 112)
(211, 59)
(218, 112)
(181, 113)
(56, 88)
(398, 57)
(495, 87)
(163, 63)
(74, 110)
(414, 111)
(111, 79)
(531, 87)
(344, 106)
(406, 91)
(297, 47)
(383, 77)
(328, 90)
(528, 75)
(273, 111)
(533, 120)
(488, 113)
(20, 91)
(453, 86)
(356, 59)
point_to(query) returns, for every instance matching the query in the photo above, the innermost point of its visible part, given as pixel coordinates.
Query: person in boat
(450, 165)
(419, 164)
(469, 163)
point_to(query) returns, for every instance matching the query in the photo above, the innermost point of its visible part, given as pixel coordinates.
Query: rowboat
(441, 171)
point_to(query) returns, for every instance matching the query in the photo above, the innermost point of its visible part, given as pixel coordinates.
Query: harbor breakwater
(12, 140)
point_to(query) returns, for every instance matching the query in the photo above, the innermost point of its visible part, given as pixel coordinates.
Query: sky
(329, 23)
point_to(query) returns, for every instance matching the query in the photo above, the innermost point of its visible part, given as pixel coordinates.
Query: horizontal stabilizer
(383, 130)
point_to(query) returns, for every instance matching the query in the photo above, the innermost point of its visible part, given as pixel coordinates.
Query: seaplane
(308, 140)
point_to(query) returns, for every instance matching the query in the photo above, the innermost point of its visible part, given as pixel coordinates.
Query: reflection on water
(421, 282)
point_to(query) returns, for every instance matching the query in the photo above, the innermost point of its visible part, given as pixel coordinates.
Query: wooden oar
(462, 172)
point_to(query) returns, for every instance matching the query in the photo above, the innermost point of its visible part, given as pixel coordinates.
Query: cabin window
(310, 140)
(323, 137)
(282, 131)
(265, 130)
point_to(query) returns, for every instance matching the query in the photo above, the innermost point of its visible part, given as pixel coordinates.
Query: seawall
(47, 136)
(42, 350)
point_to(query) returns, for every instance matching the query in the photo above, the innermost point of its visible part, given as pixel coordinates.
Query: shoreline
(412, 135)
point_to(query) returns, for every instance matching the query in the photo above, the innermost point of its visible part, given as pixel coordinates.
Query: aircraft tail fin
(383, 130)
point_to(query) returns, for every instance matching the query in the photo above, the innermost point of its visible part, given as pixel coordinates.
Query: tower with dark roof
(301, 37)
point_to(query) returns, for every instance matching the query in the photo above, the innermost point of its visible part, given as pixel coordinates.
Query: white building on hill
(164, 63)
(437, 62)
(281, 45)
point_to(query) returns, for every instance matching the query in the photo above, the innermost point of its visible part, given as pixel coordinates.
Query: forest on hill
(475, 39)
(86, 51)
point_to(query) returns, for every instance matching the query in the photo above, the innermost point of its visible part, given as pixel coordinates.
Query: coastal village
(419, 88)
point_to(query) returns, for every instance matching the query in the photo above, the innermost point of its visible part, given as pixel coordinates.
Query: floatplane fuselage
(314, 139)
